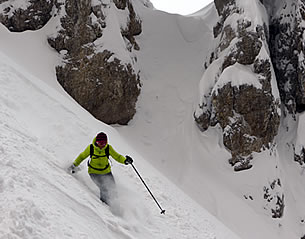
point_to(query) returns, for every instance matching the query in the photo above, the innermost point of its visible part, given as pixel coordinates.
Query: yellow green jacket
(99, 159)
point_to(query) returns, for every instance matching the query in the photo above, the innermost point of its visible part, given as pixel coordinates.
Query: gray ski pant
(106, 184)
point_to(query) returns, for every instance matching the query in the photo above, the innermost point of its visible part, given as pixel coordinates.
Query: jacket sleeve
(118, 157)
(82, 156)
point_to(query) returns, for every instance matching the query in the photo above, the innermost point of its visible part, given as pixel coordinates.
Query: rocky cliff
(240, 93)
(253, 77)
(97, 71)
(287, 50)
(27, 15)
(272, 49)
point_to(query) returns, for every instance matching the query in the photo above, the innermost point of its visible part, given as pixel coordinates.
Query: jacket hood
(93, 142)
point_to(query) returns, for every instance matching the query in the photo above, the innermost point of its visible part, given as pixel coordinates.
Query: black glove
(128, 160)
(72, 169)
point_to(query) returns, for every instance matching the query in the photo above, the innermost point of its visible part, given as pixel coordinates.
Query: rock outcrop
(240, 92)
(92, 74)
(287, 51)
(29, 15)
(242, 98)
(96, 40)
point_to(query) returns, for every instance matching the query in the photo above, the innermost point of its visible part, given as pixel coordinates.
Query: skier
(99, 168)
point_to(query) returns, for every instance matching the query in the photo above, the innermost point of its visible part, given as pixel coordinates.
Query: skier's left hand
(128, 160)
(72, 169)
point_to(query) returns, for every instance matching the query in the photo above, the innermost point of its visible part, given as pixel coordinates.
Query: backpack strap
(99, 169)
(92, 151)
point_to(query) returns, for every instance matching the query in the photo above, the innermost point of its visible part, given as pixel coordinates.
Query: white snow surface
(245, 76)
(43, 130)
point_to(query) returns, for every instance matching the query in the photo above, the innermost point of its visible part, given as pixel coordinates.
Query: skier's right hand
(72, 169)
(128, 160)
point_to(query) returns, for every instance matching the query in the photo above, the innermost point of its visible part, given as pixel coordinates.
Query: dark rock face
(287, 50)
(248, 115)
(254, 125)
(286, 47)
(96, 78)
(110, 95)
(249, 119)
(33, 17)
(223, 6)
(134, 27)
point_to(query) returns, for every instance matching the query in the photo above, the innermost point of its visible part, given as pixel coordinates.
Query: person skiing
(99, 168)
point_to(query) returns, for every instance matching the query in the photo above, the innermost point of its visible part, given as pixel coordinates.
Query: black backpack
(92, 154)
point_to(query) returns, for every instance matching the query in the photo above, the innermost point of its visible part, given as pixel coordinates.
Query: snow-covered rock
(239, 89)
(96, 40)
(19, 16)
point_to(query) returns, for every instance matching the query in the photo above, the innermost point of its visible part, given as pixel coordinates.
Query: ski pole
(162, 210)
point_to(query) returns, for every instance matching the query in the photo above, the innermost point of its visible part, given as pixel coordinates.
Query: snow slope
(42, 131)
(172, 51)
